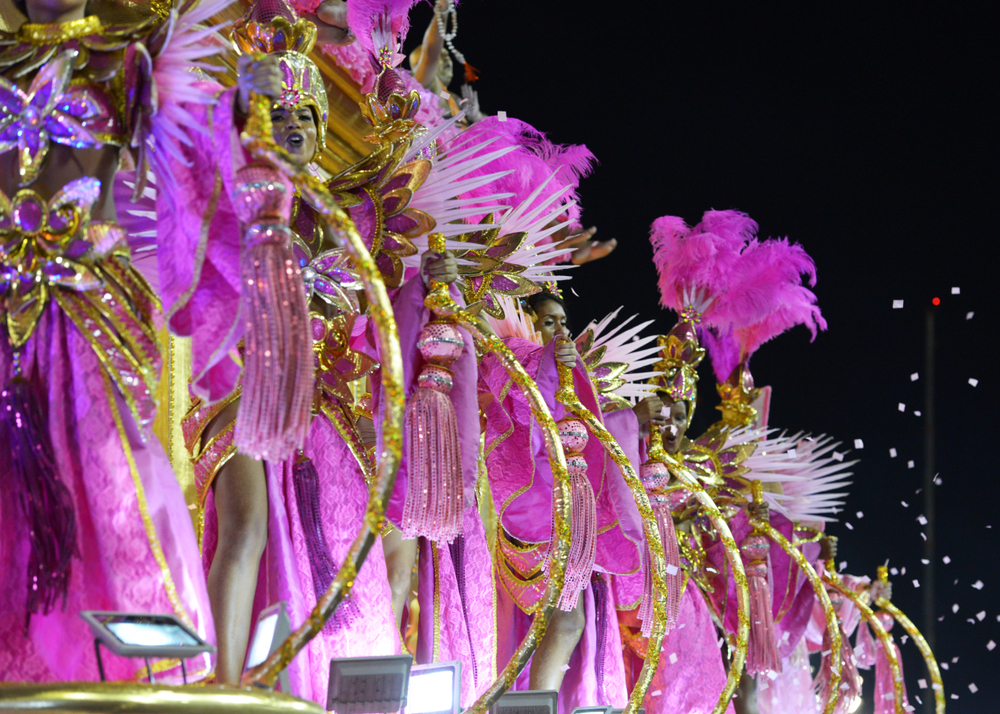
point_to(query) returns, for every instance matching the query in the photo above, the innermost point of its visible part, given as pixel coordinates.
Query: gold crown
(737, 394)
(680, 355)
(392, 120)
(279, 35)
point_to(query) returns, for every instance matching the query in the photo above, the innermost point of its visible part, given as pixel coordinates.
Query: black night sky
(867, 134)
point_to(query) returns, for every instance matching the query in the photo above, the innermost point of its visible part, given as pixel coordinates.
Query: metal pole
(929, 475)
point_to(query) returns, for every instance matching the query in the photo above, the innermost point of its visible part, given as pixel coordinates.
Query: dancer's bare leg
(400, 557)
(555, 649)
(240, 493)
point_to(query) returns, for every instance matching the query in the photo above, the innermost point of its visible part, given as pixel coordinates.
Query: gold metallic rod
(258, 140)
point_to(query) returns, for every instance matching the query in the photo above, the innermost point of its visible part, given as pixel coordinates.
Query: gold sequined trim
(56, 33)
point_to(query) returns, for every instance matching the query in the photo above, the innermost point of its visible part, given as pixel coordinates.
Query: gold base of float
(135, 698)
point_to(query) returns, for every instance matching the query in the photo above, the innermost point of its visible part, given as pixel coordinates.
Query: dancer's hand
(331, 23)
(566, 351)
(584, 248)
(879, 589)
(440, 267)
(262, 75)
(648, 409)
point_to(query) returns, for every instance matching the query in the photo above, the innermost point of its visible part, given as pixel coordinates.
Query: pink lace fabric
(118, 566)
(286, 572)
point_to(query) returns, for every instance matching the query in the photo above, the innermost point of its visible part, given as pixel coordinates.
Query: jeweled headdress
(272, 27)
(680, 355)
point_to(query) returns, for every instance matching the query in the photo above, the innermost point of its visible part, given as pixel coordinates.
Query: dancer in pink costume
(580, 654)
(96, 519)
(293, 518)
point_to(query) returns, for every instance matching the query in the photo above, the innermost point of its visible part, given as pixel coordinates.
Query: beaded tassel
(324, 569)
(762, 654)
(850, 679)
(276, 403)
(583, 527)
(885, 690)
(434, 489)
(673, 577)
(46, 503)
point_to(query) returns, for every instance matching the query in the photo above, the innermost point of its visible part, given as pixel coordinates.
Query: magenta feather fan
(533, 161)
(388, 17)
(697, 265)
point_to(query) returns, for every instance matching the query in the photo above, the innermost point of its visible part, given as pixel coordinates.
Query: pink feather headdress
(531, 164)
(379, 24)
(697, 265)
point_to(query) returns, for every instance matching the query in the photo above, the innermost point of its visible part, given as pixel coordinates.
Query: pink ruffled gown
(521, 483)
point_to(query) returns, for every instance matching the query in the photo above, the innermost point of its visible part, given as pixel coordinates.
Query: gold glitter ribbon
(258, 140)
(442, 304)
(918, 638)
(566, 395)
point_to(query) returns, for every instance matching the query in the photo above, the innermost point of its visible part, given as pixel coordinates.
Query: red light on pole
(936, 301)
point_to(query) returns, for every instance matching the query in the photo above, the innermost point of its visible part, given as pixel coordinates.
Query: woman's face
(551, 321)
(676, 417)
(295, 131)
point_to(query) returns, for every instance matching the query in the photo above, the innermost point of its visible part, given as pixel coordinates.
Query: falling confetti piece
(859, 514)
(968, 315)
(922, 683)
(897, 304)
(916, 583)
(981, 615)
(656, 693)
(501, 116)
(892, 453)
(904, 638)
(565, 668)
(902, 571)
(905, 504)
(946, 559)
(973, 688)
(991, 645)
(848, 526)
(937, 480)
(671, 569)
(922, 520)
(902, 407)
(909, 464)
(970, 621)
(837, 456)
(673, 658)
(924, 536)
(956, 291)
(915, 376)
(859, 444)
(973, 382)
(916, 412)
(954, 696)
(573, 290)
(445, 95)
(894, 571)
(954, 608)
(843, 565)
(978, 585)
(944, 666)
(925, 561)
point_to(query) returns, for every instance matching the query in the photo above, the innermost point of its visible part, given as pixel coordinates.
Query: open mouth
(295, 140)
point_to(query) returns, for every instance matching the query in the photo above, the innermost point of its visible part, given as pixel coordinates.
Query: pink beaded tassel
(583, 527)
(276, 402)
(850, 678)
(885, 690)
(673, 577)
(762, 655)
(434, 489)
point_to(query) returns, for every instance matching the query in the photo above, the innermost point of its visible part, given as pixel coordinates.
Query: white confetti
(894, 571)
(859, 514)
(946, 559)
(973, 688)
(937, 480)
(915, 376)
(981, 615)
(922, 520)
(916, 412)
(909, 464)
(573, 290)
(673, 658)
(991, 645)
(902, 407)
(858, 444)
(902, 571)
(445, 95)
(973, 382)
(656, 693)
(944, 666)
(837, 456)
(904, 638)
(905, 504)
(922, 683)
(892, 453)
(968, 315)
(956, 291)
(501, 116)
(954, 608)
(565, 668)
(978, 585)
(970, 621)
(671, 569)
(954, 696)
(848, 526)
(916, 583)
(843, 565)
(897, 304)
(925, 561)
(924, 536)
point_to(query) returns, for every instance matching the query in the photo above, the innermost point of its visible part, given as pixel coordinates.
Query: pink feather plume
(368, 17)
(723, 350)
(531, 164)
(769, 297)
(699, 260)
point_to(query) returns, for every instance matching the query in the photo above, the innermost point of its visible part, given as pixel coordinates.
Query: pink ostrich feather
(723, 350)
(697, 264)
(769, 297)
(535, 161)
(368, 17)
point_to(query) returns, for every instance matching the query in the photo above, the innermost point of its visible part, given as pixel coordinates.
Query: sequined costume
(80, 357)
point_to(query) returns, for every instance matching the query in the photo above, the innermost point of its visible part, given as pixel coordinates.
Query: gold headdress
(738, 393)
(680, 356)
(271, 27)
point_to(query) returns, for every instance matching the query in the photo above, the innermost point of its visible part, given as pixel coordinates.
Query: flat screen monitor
(434, 688)
(531, 702)
(368, 685)
(141, 635)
